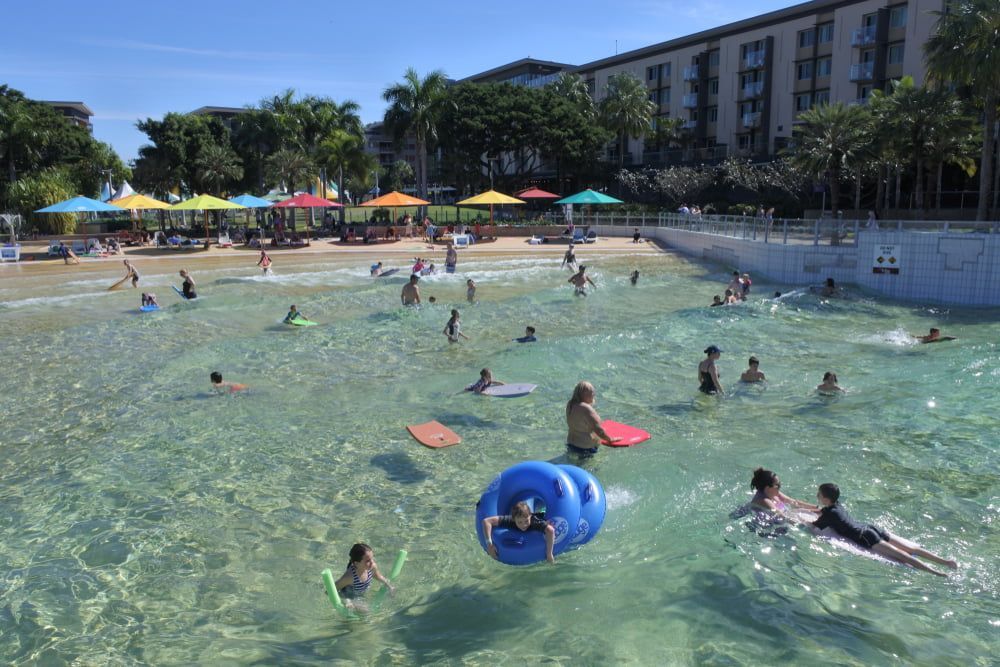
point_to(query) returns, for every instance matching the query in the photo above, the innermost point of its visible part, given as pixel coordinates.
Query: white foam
(53, 300)
(619, 496)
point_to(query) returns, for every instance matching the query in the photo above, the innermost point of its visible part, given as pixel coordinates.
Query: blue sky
(131, 60)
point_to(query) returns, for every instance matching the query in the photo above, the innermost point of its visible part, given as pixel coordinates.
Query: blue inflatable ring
(572, 498)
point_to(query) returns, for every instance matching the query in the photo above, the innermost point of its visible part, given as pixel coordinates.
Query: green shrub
(39, 190)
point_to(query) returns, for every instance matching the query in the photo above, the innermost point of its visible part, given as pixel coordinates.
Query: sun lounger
(591, 237)
(579, 236)
(224, 241)
(54, 249)
(79, 247)
(461, 240)
(536, 240)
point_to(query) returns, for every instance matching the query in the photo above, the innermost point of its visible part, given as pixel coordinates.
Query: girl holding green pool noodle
(357, 578)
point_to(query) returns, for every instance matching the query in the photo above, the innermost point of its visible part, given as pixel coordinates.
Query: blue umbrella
(251, 202)
(80, 205)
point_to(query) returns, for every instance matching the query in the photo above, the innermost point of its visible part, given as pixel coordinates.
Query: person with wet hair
(768, 495)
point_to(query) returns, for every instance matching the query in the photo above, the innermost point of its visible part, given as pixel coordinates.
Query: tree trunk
(986, 166)
(880, 189)
(899, 186)
(834, 190)
(11, 169)
(857, 191)
(937, 187)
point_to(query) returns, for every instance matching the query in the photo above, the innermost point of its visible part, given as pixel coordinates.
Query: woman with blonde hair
(583, 423)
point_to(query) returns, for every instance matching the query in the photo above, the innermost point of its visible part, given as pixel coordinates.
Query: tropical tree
(415, 106)
(399, 174)
(21, 137)
(831, 140)
(952, 141)
(177, 141)
(965, 51)
(218, 168)
(626, 109)
(343, 153)
(572, 88)
(289, 167)
(38, 190)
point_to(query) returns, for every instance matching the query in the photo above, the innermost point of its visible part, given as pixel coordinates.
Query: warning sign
(886, 259)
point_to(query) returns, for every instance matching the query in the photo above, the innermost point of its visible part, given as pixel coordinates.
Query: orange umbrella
(394, 200)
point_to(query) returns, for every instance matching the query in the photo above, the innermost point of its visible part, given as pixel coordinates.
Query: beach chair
(79, 247)
(224, 241)
(461, 240)
(579, 236)
(591, 237)
(53, 249)
(536, 240)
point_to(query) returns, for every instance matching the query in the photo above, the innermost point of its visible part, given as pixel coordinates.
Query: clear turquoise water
(147, 522)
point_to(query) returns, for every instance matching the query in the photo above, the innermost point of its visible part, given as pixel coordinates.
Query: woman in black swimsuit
(708, 375)
(188, 285)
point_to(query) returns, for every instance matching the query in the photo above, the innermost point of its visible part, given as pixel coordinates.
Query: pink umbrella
(306, 200)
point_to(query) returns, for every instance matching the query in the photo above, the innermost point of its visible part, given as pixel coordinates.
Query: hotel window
(865, 92)
(694, 114)
(824, 33)
(744, 141)
(897, 17)
(713, 59)
(824, 66)
(713, 86)
(807, 38)
(665, 70)
(713, 114)
(654, 96)
(652, 73)
(664, 96)
(805, 71)
(896, 54)
(802, 102)
(821, 97)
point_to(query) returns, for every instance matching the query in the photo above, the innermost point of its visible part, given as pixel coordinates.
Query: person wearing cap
(752, 374)
(708, 375)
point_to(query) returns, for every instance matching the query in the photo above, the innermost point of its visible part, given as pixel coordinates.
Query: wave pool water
(147, 521)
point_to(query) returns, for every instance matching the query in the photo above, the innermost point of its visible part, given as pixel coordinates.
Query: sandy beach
(161, 260)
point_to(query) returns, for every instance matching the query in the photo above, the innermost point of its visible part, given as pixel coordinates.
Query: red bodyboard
(630, 435)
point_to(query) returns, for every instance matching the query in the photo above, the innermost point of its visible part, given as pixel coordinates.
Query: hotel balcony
(863, 36)
(753, 60)
(690, 101)
(691, 73)
(689, 124)
(862, 71)
(751, 119)
(753, 89)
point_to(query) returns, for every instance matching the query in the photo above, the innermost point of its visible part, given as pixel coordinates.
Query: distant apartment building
(526, 72)
(77, 113)
(382, 145)
(739, 87)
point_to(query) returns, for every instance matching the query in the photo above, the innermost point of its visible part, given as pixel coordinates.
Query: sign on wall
(886, 259)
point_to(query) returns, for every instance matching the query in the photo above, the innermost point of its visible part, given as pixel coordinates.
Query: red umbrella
(306, 200)
(535, 193)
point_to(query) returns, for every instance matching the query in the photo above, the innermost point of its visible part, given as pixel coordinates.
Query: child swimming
(357, 577)
(520, 518)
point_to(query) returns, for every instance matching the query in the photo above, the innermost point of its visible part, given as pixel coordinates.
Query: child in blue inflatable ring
(520, 518)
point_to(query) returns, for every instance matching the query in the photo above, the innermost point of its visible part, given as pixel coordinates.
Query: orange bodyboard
(434, 434)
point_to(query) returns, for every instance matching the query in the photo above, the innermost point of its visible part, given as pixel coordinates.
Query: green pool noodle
(397, 567)
(331, 593)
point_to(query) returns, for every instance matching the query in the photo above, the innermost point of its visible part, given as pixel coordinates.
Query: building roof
(514, 65)
(217, 111)
(770, 18)
(76, 106)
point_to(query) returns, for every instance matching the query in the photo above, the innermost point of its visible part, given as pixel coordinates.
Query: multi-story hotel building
(739, 87)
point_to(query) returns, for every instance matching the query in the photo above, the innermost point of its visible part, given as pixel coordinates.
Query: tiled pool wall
(942, 268)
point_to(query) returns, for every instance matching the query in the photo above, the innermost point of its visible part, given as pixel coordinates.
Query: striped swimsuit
(358, 586)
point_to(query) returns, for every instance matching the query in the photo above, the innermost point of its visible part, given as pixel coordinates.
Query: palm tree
(952, 141)
(21, 137)
(218, 167)
(626, 109)
(572, 87)
(291, 167)
(965, 51)
(343, 153)
(415, 106)
(832, 140)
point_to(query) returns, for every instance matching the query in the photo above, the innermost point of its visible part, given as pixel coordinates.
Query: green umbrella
(204, 203)
(589, 196)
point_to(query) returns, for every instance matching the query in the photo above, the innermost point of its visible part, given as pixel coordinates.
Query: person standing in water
(580, 280)
(451, 259)
(453, 330)
(410, 296)
(569, 259)
(753, 374)
(130, 272)
(708, 374)
(634, 278)
(583, 423)
(264, 262)
(470, 290)
(187, 287)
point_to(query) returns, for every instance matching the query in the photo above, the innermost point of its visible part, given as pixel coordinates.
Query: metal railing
(689, 101)
(862, 71)
(753, 89)
(863, 36)
(691, 73)
(753, 60)
(785, 231)
(751, 119)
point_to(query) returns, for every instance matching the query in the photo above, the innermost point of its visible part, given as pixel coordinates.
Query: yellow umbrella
(139, 202)
(204, 203)
(490, 197)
